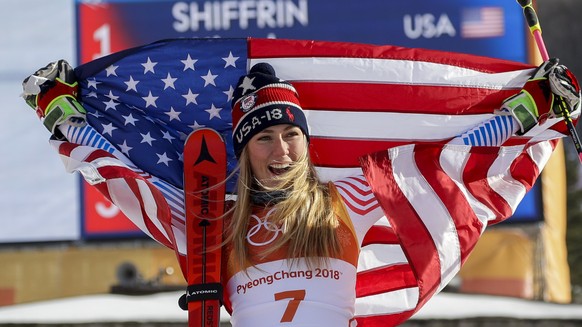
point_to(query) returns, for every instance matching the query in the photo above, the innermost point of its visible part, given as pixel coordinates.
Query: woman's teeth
(278, 169)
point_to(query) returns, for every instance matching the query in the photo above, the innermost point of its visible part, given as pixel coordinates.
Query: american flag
(387, 109)
(482, 22)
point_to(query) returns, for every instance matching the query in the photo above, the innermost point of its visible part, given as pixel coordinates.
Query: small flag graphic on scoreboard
(480, 22)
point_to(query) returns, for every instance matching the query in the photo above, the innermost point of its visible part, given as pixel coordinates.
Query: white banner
(39, 201)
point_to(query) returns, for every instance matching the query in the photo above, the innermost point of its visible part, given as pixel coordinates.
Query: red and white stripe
(357, 195)
(438, 200)
(363, 98)
(133, 193)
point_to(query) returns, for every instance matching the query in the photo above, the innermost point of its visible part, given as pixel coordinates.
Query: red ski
(204, 191)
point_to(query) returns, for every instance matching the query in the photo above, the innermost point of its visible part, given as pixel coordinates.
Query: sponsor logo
(290, 114)
(202, 292)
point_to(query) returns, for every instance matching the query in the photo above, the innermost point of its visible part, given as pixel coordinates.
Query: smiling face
(272, 151)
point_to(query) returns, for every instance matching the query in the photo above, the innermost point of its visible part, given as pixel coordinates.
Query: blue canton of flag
(146, 103)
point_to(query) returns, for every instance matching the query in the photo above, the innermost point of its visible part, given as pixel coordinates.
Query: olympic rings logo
(267, 225)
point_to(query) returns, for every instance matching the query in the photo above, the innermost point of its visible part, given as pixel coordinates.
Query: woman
(291, 241)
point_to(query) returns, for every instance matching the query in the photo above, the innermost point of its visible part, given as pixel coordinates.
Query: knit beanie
(262, 100)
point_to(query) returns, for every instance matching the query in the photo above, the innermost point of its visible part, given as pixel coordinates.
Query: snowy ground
(163, 307)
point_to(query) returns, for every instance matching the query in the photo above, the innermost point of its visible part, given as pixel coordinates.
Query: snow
(163, 307)
(97, 308)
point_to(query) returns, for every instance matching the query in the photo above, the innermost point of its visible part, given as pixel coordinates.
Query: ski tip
(204, 131)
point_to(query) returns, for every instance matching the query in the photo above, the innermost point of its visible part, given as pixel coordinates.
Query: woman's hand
(52, 92)
(550, 91)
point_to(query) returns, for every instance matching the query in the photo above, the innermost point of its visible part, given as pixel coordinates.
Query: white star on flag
(190, 97)
(111, 70)
(92, 83)
(209, 78)
(111, 96)
(214, 112)
(229, 93)
(110, 104)
(173, 114)
(189, 63)
(163, 158)
(147, 138)
(108, 129)
(149, 66)
(169, 82)
(124, 147)
(230, 60)
(129, 119)
(168, 136)
(131, 84)
(150, 100)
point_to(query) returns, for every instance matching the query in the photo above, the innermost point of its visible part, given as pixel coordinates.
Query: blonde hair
(306, 216)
